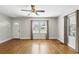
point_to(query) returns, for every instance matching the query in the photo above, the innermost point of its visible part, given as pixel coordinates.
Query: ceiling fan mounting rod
(33, 8)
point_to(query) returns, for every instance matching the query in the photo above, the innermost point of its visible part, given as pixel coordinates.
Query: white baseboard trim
(71, 46)
(25, 38)
(5, 40)
(52, 38)
(61, 40)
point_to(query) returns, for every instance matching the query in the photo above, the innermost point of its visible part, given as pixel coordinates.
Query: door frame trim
(65, 31)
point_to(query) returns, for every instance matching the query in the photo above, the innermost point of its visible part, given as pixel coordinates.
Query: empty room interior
(39, 29)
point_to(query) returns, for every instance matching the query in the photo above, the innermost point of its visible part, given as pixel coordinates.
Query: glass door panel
(39, 29)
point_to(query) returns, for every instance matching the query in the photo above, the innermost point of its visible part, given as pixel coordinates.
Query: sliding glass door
(39, 29)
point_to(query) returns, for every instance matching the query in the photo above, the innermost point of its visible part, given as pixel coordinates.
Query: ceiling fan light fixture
(34, 11)
(32, 14)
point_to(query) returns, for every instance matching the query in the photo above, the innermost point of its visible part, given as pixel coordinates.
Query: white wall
(5, 28)
(61, 25)
(25, 26)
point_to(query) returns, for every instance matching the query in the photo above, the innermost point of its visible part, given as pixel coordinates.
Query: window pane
(35, 27)
(39, 26)
(43, 27)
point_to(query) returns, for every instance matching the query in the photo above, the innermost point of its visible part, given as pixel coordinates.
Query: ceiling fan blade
(26, 10)
(40, 10)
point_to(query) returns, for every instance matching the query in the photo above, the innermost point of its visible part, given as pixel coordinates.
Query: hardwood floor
(35, 47)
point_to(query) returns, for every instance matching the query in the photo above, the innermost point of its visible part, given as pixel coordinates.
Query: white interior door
(16, 30)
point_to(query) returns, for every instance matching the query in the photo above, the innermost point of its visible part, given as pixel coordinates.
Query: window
(39, 26)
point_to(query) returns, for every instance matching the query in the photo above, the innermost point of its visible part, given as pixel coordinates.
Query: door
(39, 29)
(16, 30)
(70, 30)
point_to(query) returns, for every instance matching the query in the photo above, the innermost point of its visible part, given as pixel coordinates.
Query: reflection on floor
(35, 47)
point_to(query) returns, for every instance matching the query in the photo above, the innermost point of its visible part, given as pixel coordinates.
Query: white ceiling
(50, 10)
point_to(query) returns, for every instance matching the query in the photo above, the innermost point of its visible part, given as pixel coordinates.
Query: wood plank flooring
(35, 47)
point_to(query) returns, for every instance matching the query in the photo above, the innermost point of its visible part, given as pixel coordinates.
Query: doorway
(16, 30)
(70, 30)
(39, 29)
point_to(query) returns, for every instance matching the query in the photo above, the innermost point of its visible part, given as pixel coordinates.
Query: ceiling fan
(33, 10)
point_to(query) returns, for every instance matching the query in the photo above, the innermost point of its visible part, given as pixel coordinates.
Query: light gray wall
(25, 26)
(53, 28)
(5, 28)
(61, 28)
